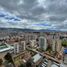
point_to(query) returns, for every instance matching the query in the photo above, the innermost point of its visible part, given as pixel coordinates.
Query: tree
(1, 61)
(49, 49)
(8, 58)
(21, 65)
(64, 43)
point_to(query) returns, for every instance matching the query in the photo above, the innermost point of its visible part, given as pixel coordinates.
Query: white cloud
(20, 2)
(41, 3)
(33, 12)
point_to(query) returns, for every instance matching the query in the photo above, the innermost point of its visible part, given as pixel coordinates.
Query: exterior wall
(32, 43)
(53, 45)
(58, 45)
(16, 47)
(43, 43)
(22, 46)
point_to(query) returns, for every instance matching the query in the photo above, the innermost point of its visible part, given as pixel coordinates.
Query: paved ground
(63, 65)
(65, 59)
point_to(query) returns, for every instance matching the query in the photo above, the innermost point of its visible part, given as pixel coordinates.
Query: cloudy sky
(34, 14)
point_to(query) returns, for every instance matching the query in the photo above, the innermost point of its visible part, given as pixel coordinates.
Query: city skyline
(33, 33)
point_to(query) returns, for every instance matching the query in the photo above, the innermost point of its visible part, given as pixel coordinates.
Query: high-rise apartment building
(58, 45)
(53, 45)
(32, 43)
(16, 47)
(22, 46)
(42, 43)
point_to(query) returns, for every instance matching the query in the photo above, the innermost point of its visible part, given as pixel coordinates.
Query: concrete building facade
(42, 43)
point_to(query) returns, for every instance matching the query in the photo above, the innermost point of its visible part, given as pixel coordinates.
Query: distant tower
(58, 45)
(16, 47)
(22, 46)
(53, 45)
(42, 42)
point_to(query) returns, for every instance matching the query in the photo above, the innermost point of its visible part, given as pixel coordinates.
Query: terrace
(5, 47)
